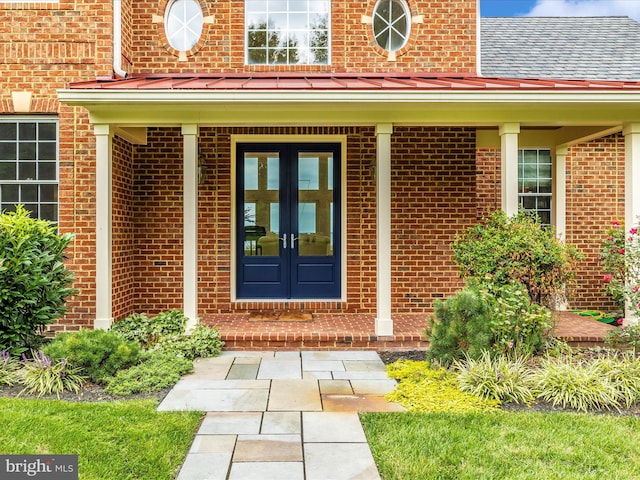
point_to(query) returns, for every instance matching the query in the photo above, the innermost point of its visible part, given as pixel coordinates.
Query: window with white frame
(535, 182)
(183, 24)
(29, 165)
(288, 32)
(391, 24)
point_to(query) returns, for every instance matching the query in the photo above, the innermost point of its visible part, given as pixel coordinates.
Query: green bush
(519, 249)
(157, 370)
(149, 331)
(43, 376)
(203, 341)
(580, 384)
(461, 327)
(623, 371)
(625, 338)
(34, 283)
(498, 318)
(496, 378)
(519, 327)
(422, 388)
(99, 353)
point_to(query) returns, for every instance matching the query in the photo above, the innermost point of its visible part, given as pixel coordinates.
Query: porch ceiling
(347, 99)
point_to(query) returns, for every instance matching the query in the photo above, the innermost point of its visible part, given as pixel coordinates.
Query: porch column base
(384, 327)
(102, 323)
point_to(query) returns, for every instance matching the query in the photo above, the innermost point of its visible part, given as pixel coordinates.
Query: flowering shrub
(620, 255)
(625, 337)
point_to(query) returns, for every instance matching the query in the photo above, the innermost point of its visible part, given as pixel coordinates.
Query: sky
(560, 8)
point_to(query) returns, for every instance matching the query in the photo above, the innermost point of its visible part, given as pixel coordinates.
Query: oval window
(183, 24)
(391, 24)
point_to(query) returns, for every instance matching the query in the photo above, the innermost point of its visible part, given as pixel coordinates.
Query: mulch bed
(95, 393)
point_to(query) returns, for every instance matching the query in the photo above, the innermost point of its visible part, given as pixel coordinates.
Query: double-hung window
(535, 182)
(287, 32)
(29, 165)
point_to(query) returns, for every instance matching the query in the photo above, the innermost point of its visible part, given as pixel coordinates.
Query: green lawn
(514, 446)
(113, 440)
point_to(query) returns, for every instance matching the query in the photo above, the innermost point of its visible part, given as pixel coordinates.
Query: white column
(104, 252)
(631, 134)
(509, 158)
(384, 322)
(560, 193)
(560, 210)
(190, 210)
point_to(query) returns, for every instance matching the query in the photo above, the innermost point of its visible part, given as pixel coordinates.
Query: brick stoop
(352, 331)
(324, 332)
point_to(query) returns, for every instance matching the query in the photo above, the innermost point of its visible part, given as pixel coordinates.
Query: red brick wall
(595, 199)
(433, 200)
(433, 188)
(445, 42)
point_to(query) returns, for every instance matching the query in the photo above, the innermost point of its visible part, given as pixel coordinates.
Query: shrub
(99, 353)
(44, 376)
(34, 282)
(519, 326)
(157, 370)
(461, 327)
(499, 318)
(625, 337)
(425, 389)
(623, 371)
(519, 249)
(203, 341)
(147, 332)
(9, 369)
(501, 378)
(580, 385)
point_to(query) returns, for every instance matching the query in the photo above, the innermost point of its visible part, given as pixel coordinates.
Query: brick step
(322, 342)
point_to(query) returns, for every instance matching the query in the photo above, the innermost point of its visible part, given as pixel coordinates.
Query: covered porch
(498, 115)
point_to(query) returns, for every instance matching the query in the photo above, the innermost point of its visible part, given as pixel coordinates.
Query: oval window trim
(391, 24)
(183, 24)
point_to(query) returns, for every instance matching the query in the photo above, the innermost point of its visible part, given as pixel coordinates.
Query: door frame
(292, 139)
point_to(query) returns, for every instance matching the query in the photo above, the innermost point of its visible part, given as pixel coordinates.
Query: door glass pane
(261, 203)
(315, 204)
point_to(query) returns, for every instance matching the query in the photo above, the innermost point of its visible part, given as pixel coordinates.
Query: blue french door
(288, 217)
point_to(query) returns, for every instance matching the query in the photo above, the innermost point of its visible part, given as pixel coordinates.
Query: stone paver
(341, 461)
(282, 415)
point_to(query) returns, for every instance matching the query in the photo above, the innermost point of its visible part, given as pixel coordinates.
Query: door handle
(293, 240)
(284, 240)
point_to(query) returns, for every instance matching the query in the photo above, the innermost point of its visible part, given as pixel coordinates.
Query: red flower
(619, 321)
(636, 288)
(621, 251)
(633, 231)
(616, 224)
(607, 277)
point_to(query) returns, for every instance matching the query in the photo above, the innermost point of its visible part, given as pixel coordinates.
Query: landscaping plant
(202, 341)
(501, 378)
(624, 338)
(99, 353)
(149, 331)
(156, 371)
(505, 249)
(422, 388)
(9, 369)
(43, 376)
(34, 282)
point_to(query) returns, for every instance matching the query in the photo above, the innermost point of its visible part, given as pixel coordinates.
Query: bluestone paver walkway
(282, 415)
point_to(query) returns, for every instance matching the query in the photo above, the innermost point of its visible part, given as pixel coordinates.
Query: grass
(113, 440)
(501, 445)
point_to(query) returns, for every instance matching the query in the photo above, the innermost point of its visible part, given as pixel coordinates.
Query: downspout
(478, 40)
(117, 39)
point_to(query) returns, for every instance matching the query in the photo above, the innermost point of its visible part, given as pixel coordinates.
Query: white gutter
(177, 97)
(117, 39)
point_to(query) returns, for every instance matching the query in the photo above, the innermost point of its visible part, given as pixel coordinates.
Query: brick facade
(441, 183)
